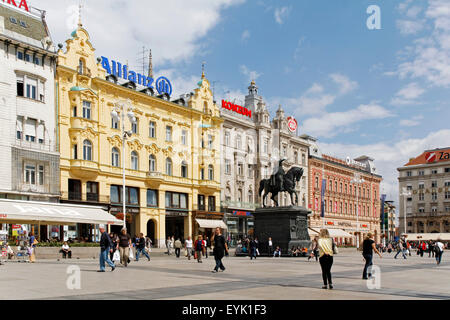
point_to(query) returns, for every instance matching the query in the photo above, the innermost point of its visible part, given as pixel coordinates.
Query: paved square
(262, 279)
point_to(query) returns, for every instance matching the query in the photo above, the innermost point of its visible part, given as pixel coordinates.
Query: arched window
(87, 150)
(184, 169)
(168, 166)
(134, 161)
(152, 163)
(115, 157)
(81, 67)
(211, 173)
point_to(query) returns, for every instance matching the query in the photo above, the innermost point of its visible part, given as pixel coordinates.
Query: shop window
(176, 200)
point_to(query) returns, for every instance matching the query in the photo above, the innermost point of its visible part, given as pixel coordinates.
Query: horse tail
(262, 185)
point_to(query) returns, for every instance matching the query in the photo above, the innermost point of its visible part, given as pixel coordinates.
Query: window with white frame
(211, 173)
(152, 163)
(30, 174)
(227, 139)
(169, 167)
(115, 157)
(87, 110)
(184, 137)
(87, 150)
(210, 142)
(227, 166)
(30, 130)
(184, 169)
(114, 123)
(135, 127)
(152, 129)
(134, 161)
(168, 133)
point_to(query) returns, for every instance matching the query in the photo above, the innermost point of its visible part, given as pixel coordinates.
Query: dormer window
(23, 24)
(13, 20)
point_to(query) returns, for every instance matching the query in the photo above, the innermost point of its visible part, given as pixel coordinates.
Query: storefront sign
(235, 108)
(119, 70)
(292, 124)
(365, 226)
(21, 4)
(344, 224)
(242, 214)
(177, 214)
(3, 216)
(330, 223)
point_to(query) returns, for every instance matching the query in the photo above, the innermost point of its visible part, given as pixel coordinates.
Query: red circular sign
(292, 124)
(431, 157)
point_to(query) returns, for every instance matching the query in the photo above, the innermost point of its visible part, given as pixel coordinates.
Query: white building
(250, 152)
(28, 154)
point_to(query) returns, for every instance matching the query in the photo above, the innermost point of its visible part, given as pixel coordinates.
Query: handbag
(35, 242)
(131, 255)
(116, 256)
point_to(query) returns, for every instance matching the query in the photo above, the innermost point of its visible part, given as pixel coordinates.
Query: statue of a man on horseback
(281, 181)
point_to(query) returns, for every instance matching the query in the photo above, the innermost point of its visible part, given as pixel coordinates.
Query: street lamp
(406, 193)
(358, 181)
(120, 107)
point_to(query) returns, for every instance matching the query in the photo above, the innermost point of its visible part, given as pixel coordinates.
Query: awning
(211, 224)
(337, 233)
(27, 212)
(428, 236)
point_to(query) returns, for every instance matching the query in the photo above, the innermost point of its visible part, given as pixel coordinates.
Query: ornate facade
(172, 158)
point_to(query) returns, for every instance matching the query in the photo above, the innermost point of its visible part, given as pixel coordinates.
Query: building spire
(203, 70)
(80, 7)
(150, 65)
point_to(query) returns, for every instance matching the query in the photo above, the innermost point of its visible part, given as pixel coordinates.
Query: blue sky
(383, 93)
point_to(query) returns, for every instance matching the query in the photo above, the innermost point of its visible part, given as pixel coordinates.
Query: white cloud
(415, 121)
(174, 29)
(429, 57)
(389, 156)
(345, 84)
(250, 74)
(408, 27)
(245, 35)
(408, 95)
(281, 14)
(329, 125)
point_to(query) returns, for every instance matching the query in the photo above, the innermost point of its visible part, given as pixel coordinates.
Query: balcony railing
(85, 197)
(34, 145)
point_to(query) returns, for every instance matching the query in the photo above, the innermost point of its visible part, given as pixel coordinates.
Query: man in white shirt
(188, 246)
(439, 247)
(270, 247)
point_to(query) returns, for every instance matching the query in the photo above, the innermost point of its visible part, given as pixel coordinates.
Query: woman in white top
(325, 244)
(66, 251)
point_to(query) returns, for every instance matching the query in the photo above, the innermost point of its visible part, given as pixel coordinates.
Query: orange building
(343, 196)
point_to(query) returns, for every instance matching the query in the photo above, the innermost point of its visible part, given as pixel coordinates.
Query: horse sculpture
(290, 180)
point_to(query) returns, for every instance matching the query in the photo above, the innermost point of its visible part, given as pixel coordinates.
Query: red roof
(431, 156)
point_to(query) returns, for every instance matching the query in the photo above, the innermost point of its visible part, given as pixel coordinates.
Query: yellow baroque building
(172, 159)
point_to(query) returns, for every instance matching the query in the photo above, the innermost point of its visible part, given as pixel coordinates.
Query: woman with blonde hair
(326, 252)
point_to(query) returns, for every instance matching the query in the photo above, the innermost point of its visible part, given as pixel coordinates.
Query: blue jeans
(439, 257)
(104, 257)
(219, 265)
(403, 253)
(368, 258)
(252, 253)
(139, 251)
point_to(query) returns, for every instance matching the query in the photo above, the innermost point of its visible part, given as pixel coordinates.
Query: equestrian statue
(281, 182)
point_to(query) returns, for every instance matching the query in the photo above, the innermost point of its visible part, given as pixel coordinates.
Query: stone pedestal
(287, 226)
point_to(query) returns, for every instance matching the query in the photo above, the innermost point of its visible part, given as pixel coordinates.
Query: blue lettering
(142, 79)
(132, 76)
(114, 71)
(119, 69)
(150, 82)
(125, 72)
(105, 65)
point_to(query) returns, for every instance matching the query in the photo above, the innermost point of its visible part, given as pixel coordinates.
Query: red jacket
(196, 243)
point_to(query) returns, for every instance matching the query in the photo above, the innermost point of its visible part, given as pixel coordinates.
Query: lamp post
(120, 107)
(358, 181)
(406, 193)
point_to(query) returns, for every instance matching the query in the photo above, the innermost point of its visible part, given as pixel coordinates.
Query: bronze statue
(281, 182)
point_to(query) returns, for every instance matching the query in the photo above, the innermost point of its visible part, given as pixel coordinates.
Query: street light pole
(120, 107)
(406, 193)
(358, 181)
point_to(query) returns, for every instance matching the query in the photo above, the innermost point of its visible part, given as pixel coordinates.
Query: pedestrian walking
(208, 246)
(199, 248)
(270, 247)
(141, 247)
(252, 249)
(124, 244)
(326, 257)
(205, 250)
(368, 248)
(220, 249)
(113, 238)
(106, 247)
(439, 251)
(148, 244)
(188, 246)
(178, 246)
(169, 245)
(33, 244)
(400, 249)
(314, 249)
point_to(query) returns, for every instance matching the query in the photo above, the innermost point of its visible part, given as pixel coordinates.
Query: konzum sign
(235, 108)
(21, 4)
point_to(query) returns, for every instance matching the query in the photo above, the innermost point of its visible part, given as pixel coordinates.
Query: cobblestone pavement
(169, 278)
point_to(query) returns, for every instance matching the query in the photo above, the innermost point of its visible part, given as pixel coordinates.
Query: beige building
(172, 156)
(427, 179)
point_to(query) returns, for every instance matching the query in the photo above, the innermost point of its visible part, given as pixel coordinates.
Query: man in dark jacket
(140, 247)
(106, 247)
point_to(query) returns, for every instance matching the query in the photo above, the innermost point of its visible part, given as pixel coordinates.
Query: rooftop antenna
(80, 7)
(142, 59)
(150, 65)
(203, 69)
